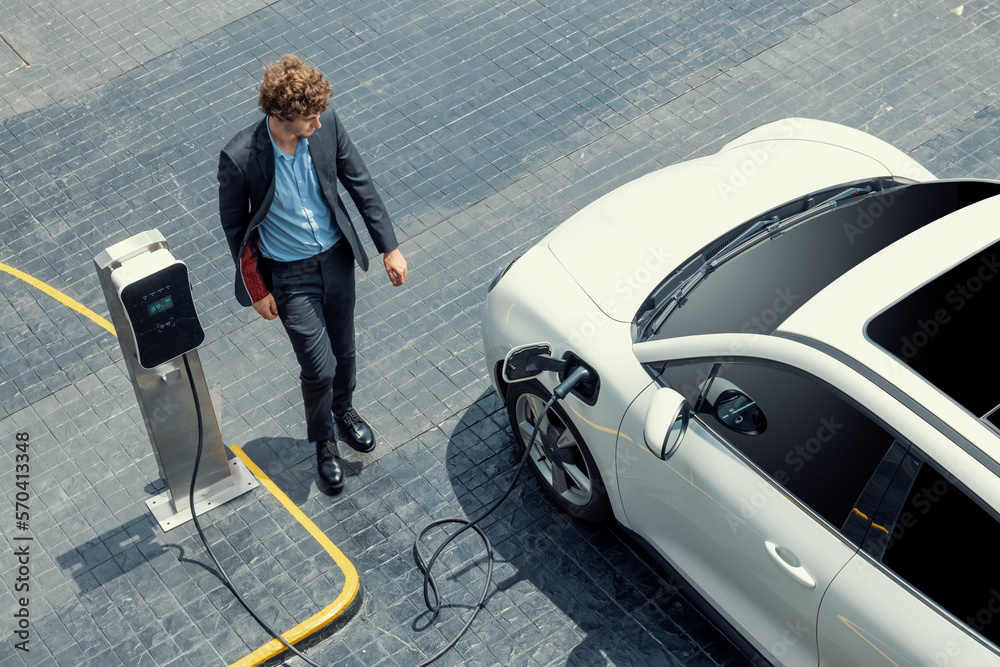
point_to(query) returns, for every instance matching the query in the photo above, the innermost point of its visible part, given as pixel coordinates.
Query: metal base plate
(163, 509)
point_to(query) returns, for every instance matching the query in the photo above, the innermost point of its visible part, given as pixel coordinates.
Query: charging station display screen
(157, 307)
(161, 311)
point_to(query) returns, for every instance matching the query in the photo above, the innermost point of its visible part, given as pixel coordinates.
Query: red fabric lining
(252, 279)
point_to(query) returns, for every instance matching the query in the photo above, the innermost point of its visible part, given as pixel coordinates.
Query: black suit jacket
(246, 189)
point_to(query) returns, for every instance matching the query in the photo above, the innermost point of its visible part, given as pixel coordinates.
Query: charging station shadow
(593, 573)
(101, 567)
(98, 561)
(102, 562)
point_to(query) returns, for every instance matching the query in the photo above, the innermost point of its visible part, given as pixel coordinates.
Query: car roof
(837, 316)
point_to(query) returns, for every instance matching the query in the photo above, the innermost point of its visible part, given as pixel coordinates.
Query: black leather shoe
(354, 429)
(331, 472)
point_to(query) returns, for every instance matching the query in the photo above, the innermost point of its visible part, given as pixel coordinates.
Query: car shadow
(567, 587)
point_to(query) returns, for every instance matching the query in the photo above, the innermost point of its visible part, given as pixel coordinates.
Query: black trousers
(315, 298)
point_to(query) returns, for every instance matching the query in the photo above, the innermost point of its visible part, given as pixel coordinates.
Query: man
(295, 245)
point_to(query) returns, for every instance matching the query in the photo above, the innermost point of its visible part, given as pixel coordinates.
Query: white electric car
(792, 392)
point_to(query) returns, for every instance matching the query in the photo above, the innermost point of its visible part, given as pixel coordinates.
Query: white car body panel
(861, 615)
(562, 316)
(870, 614)
(714, 500)
(822, 131)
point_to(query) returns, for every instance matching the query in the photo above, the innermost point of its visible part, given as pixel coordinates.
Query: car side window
(942, 543)
(800, 431)
(687, 378)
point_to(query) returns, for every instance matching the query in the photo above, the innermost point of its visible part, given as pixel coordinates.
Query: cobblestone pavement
(484, 125)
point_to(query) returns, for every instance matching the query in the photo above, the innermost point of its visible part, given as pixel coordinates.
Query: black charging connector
(589, 387)
(578, 375)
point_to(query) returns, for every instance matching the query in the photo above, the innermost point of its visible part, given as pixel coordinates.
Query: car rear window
(946, 331)
(756, 291)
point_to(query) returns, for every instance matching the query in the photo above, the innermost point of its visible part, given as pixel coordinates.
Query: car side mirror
(522, 362)
(666, 422)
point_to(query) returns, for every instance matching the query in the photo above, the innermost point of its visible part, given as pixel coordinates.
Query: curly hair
(291, 89)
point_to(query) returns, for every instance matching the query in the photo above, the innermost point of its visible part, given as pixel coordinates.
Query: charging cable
(560, 392)
(204, 539)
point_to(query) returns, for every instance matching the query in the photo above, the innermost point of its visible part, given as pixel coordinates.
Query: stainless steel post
(168, 408)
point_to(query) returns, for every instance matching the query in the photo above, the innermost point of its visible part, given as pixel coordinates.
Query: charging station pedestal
(152, 309)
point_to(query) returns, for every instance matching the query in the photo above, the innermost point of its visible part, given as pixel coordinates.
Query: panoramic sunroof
(757, 291)
(946, 332)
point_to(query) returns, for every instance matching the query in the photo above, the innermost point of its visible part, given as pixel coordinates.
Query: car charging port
(587, 388)
(529, 361)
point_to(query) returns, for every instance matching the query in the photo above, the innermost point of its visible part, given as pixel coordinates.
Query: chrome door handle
(788, 562)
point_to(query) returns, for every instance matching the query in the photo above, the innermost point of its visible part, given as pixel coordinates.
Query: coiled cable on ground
(427, 565)
(578, 375)
(429, 587)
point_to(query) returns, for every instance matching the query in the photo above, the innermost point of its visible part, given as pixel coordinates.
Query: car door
(750, 514)
(925, 589)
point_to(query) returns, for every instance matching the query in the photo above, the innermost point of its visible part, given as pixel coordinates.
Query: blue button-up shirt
(298, 224)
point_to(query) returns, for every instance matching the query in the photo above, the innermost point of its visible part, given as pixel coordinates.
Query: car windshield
(758, 289)
(945, 331)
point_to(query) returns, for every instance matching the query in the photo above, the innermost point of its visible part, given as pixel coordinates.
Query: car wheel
(559, 457)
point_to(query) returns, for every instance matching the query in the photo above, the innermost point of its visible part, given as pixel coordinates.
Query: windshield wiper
(774, 227)
(761, 230)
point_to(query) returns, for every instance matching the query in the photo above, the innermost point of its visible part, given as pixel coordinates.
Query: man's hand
(395, 266)
(267, 308)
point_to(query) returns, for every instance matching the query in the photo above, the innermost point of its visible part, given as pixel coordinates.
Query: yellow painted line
(326, 615)
(350, 590)
(59, 296)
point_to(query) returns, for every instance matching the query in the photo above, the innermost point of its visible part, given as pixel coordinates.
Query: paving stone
(484, 124)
